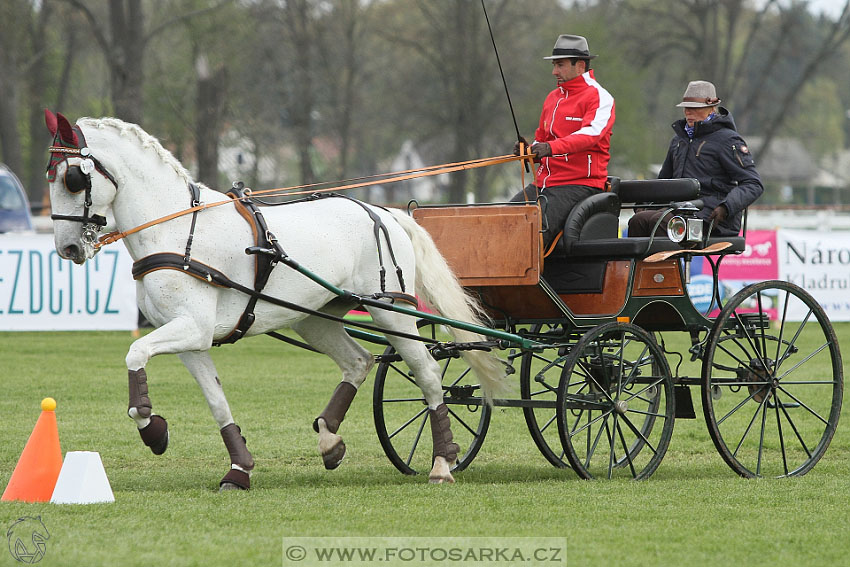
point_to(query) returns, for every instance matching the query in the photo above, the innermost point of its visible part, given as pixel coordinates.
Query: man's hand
(517, 143)
(541, 150)
(719, 214)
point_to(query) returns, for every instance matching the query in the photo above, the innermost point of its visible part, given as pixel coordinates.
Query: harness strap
(289, 191)
(196, 200)
(264, 263)
(173, 261)
(379, 227)
(394, 296)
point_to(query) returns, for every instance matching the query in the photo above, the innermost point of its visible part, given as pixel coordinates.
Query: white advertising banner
(819, 262)
(39, 291)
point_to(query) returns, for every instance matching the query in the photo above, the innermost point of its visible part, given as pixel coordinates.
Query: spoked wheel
(772, 381)
(616, 406)
(401, 415)
(538, 382)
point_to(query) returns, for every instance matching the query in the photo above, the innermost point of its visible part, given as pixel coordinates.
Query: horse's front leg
(201, 366)
(176, 336)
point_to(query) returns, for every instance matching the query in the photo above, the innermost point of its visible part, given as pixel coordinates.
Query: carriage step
(684, 403)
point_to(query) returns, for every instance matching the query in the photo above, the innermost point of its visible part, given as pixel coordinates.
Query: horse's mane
(146, 140)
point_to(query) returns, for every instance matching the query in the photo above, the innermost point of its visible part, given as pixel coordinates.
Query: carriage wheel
(538, 382)
(401, 416)
(615, 408)
(772, 381)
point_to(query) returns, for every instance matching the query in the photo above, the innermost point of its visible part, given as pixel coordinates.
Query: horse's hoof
(155, 434)
(334, 456)
(235, 480)
(441, 479)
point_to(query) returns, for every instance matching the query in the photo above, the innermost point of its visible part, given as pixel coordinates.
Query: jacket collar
(723, 120)
(576, 82)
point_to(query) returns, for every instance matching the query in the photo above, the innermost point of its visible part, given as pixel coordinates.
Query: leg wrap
(339, 403)
(155, 434)
(236, 478)
(442, 433)
(235, 444)
(139, 392)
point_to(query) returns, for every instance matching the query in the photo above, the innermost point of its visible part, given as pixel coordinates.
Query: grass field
(693, 511)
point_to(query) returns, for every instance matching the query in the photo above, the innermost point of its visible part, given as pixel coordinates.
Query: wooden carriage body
(496, 252)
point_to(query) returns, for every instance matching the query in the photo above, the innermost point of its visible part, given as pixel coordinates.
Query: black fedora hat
(574, 46)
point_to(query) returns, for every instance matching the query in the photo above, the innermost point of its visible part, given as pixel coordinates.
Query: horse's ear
(66, 131)
(50, 120)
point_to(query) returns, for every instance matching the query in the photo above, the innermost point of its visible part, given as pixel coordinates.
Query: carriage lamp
(676, 229)
(681, 229)
(694, 230)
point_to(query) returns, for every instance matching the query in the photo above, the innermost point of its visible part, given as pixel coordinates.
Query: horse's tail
(438, 287)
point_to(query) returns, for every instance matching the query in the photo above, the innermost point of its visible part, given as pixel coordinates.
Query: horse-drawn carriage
(595, 386)
(579, 326)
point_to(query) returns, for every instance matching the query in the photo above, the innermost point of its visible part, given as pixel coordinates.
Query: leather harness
(268, 253)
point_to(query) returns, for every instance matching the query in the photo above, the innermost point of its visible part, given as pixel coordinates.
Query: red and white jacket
(576, 123)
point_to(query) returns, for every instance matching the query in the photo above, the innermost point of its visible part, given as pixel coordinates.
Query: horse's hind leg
(427, 374)
(201, 366)
(355, 362)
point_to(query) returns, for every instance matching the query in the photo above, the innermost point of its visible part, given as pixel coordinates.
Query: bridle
(78, 178)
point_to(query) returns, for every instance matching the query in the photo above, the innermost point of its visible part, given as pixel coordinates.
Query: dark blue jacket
(722, 162)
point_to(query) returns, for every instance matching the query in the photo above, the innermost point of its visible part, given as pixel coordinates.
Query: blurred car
(14, 208)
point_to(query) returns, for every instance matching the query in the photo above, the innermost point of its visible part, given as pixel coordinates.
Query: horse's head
(79, 199)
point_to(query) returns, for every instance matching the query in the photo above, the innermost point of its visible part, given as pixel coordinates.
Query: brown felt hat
(574, 46)
(699, 94)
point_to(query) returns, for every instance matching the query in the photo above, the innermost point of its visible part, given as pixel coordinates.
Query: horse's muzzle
(73, 252)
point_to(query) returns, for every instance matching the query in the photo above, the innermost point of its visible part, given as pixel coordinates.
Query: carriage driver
(572, 140)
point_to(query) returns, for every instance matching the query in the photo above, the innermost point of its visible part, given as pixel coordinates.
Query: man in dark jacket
(707, 147)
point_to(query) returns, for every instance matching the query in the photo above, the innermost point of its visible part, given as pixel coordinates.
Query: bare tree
(123, 41)
(209, 108)
(450, 40)
(740, 49)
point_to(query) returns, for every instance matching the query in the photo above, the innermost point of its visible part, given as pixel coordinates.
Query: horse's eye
(76, 180)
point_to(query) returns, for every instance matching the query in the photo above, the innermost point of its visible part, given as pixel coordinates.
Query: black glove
(541, 149)
(517, 143)
(719, 214)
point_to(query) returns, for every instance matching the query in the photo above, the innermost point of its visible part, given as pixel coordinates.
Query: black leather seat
(592, 227)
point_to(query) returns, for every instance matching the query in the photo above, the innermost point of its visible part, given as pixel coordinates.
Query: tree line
(330, 89)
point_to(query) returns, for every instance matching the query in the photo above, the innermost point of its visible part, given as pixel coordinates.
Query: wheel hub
(621, 406)
(758, 373)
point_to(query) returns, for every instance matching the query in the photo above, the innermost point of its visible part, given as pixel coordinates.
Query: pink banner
(758, 262)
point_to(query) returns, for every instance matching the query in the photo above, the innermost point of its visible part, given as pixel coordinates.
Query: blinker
(76, 179)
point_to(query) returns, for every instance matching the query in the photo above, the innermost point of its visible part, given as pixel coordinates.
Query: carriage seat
(591, 229)
(671, 190)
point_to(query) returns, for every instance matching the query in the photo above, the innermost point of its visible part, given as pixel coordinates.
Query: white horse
(107, 169)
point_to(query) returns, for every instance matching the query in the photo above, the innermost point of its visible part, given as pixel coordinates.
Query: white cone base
(82, 480)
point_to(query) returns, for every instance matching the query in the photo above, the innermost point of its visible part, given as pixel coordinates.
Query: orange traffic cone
(38, 468)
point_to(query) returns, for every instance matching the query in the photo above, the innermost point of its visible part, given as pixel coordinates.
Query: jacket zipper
(735, 153)
(589, 162)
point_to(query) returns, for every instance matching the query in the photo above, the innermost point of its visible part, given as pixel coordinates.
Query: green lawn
(693, 511)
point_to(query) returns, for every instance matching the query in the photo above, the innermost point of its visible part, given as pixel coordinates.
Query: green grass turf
(693, 511)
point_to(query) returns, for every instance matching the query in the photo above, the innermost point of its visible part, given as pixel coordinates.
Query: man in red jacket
(572, 141)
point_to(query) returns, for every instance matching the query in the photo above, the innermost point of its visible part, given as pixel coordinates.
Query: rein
(303, 190)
